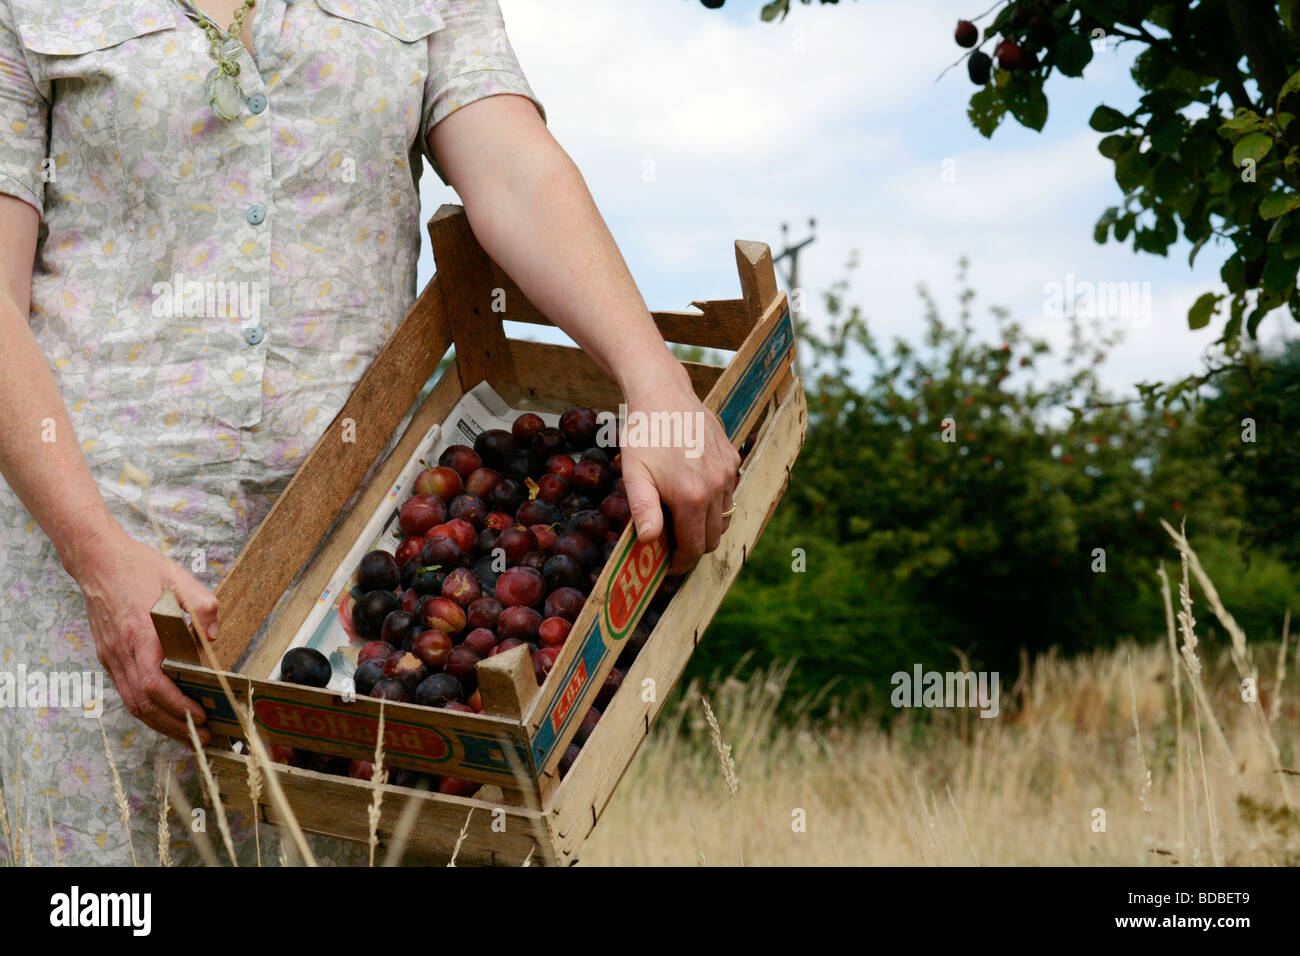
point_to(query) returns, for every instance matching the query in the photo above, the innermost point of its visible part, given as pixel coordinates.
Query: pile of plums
(499, 546)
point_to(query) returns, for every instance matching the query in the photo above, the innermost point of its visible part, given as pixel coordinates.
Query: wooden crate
(515, 745)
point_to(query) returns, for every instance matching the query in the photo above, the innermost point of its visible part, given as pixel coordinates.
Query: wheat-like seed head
(377, 780)
(464, 831)
(723, 748)
(119, 794)
(214, 795)
(163, 796)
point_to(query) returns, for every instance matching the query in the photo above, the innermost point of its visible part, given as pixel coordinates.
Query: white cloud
(751, 124)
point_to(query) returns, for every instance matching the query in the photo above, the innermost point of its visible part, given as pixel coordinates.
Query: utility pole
(791, 275)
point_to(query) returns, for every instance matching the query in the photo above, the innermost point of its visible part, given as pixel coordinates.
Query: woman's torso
(209, 290)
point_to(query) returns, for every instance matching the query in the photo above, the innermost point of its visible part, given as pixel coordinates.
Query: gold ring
(729, 512)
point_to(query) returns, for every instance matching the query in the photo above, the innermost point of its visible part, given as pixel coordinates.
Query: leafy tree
(949, 500)
(1252, 424)
(1207, 152)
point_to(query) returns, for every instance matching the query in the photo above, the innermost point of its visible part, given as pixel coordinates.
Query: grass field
(1115, 758)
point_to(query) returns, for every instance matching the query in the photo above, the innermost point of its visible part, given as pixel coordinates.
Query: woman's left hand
(694, 475)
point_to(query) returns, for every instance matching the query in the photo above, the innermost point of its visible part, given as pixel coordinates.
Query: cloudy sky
(840, 113)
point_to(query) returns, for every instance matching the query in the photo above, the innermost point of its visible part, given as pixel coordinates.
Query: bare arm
(120, 578)
(532, 212)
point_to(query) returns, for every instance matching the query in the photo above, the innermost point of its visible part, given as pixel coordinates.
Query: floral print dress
(207, 293)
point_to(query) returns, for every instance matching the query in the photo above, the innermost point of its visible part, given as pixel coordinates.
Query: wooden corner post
(465, 283)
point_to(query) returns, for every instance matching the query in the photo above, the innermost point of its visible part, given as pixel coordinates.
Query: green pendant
(224, 94)
(231, 48)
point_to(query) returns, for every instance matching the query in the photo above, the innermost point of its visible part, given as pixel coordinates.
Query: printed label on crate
(758, 373)
(292, 718)
(592, 651)
(572, 690)
(641, 567)
(451, 750)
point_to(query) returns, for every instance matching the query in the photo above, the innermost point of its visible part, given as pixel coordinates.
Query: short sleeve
(24, 120)
(470, 58)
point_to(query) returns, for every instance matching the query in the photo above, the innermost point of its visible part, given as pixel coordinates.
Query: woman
(157, 150)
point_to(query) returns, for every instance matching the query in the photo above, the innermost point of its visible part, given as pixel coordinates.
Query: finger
(714, 524)
(135, 703)
(162, 690)
(690, 513)
(642, 500)
(196, 600)
(145, 679)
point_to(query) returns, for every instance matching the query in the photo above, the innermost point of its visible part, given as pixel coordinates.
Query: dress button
(256, 214)
(257, 103)
(254, 334)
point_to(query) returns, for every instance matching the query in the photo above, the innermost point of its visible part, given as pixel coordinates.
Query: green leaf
(1027, 102)
(777, 8)
(1278, 204)
(1167, 133)
(1253, 146)
(1191, 257)
(1106, 120)
(1245, 121)
(1071, 52)
(1279, 274)
(1291, 85)
(1131, 170)
(1232, 331)
(1252, 323)
(1198, 316)
(1233, 273)
(986, 110)
(1111, 146)
(1107, 219)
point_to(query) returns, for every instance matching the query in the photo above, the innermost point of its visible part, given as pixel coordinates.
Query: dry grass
(1021, 789)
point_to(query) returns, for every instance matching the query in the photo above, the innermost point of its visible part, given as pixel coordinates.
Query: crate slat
(467, 287)
(434, 741)
(718, 323)
(328, 805)
(570, 375)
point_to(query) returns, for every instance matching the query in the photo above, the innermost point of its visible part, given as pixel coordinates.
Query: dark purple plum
(577, 546)
(562, 571)
(468, 508)
(378, 571)
(369, 613)
(306, 666)
(493, 445)
(537, 511)
(437, 689)
(579, 427)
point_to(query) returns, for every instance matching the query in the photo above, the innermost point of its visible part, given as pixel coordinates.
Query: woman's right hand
(121, 579)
